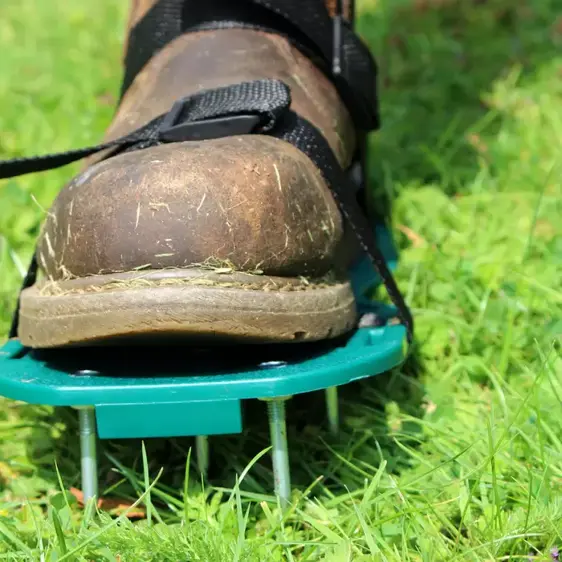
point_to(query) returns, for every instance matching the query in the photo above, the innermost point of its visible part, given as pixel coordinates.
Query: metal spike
(332, 408)
(202, 453)
(280, 450)
(88, 452)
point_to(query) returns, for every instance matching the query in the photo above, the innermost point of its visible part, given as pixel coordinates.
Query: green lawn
(458, 456)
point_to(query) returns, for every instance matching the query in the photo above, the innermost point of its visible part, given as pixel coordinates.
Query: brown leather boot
(232, 238)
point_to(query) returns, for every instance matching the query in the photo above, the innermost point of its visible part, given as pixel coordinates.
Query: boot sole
(198, 304)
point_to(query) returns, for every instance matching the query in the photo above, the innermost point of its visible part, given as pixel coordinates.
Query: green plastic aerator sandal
(225, 207)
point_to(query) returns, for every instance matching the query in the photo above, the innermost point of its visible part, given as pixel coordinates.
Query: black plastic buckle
(172, 129)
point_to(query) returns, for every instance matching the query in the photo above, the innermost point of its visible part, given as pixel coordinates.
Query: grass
(457, 456)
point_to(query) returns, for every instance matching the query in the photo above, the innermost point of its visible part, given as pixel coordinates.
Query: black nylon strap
(302, 134)
(306, 23)
(261, 106)
(357, 70)
(266, 99)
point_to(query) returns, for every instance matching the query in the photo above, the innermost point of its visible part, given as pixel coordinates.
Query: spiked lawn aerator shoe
(220, 206)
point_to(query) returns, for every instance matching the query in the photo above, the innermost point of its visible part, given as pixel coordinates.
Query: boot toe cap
(250, 202)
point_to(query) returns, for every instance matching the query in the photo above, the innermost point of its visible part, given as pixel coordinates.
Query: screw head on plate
(272, 364)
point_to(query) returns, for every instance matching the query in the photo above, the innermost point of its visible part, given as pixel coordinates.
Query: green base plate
(140, 393)
(178, 391)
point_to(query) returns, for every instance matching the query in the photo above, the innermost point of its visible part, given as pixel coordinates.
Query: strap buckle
(174, 129)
